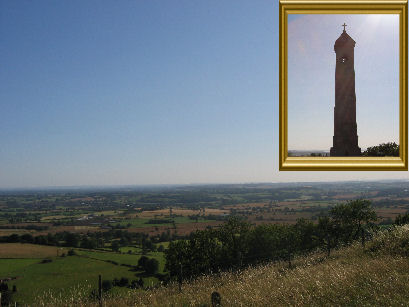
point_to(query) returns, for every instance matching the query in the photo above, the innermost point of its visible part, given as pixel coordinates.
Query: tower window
(344, 59)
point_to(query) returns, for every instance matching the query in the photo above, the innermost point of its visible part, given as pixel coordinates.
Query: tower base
(345, 152)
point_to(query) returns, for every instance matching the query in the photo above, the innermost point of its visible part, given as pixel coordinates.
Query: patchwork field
(25, 250)
(59, 276)
(63, 275)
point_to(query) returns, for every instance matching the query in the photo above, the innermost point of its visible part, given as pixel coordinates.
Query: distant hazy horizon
(96, 93)
(141, 187)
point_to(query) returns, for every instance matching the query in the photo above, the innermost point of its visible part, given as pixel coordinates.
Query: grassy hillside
(64, 277)
(59, 276)
(375, 276)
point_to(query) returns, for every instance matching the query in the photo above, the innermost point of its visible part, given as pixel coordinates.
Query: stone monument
(345, 140)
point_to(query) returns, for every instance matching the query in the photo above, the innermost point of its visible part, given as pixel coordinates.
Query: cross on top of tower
(344, 25)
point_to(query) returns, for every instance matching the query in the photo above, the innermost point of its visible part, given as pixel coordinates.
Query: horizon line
(158, 185)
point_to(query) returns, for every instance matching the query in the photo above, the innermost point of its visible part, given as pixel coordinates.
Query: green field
(143, 222)
(8, 266)
(130, 259)
(64, 274)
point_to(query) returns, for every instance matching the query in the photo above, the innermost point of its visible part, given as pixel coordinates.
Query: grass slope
(375, 276)
(60, 276)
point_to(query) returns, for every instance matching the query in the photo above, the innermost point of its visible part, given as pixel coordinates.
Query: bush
(135, 284)
(6, 298)
(123, 282)
(46, 261)
(394, 242)
(106, 285)
(71, 252)
(4, 287)
(115, 282)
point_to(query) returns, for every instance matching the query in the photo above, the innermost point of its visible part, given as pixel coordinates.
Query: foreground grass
(60, 277)
(63, 276)
(375, 276)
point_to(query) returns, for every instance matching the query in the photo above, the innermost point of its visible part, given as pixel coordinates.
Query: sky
(144, 92)
(311, 78)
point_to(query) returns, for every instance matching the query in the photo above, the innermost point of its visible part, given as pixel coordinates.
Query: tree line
(94, 240)
(237, 243)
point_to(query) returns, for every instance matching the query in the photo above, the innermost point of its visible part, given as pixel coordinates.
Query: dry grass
(8, 232)
(179, 211)
(350, 277)
(20, 250)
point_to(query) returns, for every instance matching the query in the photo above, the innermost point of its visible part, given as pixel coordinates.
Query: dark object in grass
(216, 299)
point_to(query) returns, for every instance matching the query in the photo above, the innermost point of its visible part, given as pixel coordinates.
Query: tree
(383, 150)
(152, 266)
(233, 236)
(27, 238)
(178, 252)
(142, 261)
(328, 234)
(88, 243)
(402, 219)
(290, 243)
(264, 243)
(72, 239)
(306, 233)
(115, 246)
(352, 218)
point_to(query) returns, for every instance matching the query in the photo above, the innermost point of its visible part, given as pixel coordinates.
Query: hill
(376, 275)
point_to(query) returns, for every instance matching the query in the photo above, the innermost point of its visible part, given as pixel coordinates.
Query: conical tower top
(344, 40)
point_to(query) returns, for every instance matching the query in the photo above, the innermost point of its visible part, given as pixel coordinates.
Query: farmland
(19, 250)
(33, 275)
(56, 240)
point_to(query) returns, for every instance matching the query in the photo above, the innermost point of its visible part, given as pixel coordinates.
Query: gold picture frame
(399, 7)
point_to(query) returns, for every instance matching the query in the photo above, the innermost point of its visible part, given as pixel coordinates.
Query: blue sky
(311, 78)
(141, 92)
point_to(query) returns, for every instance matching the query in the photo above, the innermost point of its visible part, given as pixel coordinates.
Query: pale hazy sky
(156, 92)
(311, 78)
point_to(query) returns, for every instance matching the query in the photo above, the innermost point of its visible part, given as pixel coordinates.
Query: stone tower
(345, 140)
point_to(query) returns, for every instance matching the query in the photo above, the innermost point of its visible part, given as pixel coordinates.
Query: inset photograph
(343, 95)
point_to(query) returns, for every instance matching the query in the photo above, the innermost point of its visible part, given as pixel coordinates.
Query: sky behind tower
(147, 92)
(311, 78)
